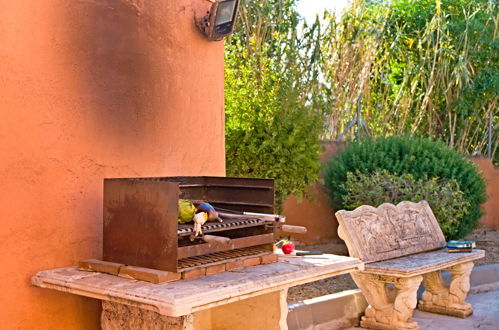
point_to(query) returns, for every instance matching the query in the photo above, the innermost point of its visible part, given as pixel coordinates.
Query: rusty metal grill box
(141, 228)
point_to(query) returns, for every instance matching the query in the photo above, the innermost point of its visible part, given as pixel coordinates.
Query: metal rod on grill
(266, 217)
(274, 217)
(263, 216)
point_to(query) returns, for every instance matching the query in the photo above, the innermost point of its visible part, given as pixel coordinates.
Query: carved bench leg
(383, 312)
(438, 298)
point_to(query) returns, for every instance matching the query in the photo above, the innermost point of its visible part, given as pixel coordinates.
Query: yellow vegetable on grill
(186, 211)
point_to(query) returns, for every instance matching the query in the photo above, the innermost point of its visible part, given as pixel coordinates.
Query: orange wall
(93, 89)
(491, 206)
(315, 214)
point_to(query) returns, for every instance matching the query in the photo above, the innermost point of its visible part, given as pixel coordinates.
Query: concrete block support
(268, 311)
(333, 311)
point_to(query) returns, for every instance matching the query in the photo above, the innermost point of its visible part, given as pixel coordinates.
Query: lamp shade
(219, 22)
(225, 12)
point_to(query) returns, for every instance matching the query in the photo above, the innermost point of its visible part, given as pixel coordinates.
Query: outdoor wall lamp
(219, 20)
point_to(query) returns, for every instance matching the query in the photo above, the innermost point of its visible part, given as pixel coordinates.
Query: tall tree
(425, 68)
(273, 119)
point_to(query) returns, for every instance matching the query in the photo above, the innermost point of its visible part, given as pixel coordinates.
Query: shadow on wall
(145, 75)
(116, 64)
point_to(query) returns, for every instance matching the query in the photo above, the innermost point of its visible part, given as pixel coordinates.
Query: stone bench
(403, 246)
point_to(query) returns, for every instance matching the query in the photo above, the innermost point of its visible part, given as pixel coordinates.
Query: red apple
(288, 247)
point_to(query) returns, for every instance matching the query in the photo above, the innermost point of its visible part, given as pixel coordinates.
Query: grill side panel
(140, 223)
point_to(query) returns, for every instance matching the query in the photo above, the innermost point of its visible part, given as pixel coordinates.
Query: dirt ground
(486, 239)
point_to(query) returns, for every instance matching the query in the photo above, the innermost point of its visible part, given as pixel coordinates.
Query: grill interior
(141, 227)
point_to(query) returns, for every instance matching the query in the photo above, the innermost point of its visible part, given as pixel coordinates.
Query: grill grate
(221, 257)
(214, 226)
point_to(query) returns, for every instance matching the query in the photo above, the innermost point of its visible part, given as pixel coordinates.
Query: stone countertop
(187, 296)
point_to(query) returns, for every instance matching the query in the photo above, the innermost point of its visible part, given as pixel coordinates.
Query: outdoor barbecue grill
(141, 227)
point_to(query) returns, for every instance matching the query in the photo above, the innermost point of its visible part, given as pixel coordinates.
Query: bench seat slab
(421, 263)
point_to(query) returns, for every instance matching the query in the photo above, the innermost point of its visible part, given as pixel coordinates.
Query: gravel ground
(486, 239)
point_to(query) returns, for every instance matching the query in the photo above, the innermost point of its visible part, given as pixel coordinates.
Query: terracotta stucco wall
(491, 207)
(92, 89)
(315, 214)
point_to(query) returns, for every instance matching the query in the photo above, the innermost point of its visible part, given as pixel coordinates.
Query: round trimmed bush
(423, 159)
(444, 196)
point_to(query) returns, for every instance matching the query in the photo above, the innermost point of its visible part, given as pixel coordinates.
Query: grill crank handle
(216, 239)
(210, 239)
(290, 229)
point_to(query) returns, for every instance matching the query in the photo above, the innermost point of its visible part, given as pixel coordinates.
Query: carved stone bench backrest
(388, 231)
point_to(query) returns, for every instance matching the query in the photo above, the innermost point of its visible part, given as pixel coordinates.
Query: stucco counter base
(209, 302)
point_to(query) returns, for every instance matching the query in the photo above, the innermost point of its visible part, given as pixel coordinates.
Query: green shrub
(444, 196)
(421, 158)
(273, 122)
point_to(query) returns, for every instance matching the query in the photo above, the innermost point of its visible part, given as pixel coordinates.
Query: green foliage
(425, 67)
(446, 200)
(422, 158)
(272, 122)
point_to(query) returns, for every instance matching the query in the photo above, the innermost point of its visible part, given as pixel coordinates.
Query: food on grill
(186, 211)
(208, 208)
(199, 220)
